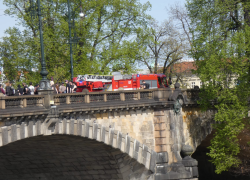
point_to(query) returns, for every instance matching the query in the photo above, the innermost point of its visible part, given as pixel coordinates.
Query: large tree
(220, 46)
(105, 34)
(161, 45)
(17, 56)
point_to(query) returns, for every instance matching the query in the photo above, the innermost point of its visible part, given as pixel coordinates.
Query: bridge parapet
(164, 94)
(92, 97)
(192, 94)
(10, 102)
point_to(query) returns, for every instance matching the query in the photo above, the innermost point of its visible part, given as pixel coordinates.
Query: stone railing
(47, 99)
(191, 94)
(106, 96)
(10, 102)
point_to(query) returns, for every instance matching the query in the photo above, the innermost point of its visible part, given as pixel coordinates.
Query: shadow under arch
(72, 149)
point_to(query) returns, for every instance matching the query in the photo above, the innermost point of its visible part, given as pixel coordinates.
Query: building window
(193, 84)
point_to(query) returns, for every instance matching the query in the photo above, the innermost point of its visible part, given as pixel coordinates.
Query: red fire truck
(133, 82)
(94, 83)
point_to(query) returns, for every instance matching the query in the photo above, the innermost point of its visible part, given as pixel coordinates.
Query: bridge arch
(130, 158)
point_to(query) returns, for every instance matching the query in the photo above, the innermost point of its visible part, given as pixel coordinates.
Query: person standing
(2, 89)
(74, 87)
(52, 85)
(68, 89)
(146, 85)
(10, 91)
(36, 89)
(57, 87)
(71, 87)
(25, 89)
(31, 89)
(19, 91)
(62, 88)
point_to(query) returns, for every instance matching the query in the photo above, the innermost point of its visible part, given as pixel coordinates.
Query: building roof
(183, 67)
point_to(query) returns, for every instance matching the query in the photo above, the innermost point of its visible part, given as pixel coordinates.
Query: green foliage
(16, 58)
(220, 47)
(102, 37)
(224, 146)
(248, 143)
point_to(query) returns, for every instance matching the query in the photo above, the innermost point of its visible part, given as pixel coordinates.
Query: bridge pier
(170, 140)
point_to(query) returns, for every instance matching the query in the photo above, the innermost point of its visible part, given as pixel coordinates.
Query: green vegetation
(106, 37)
(113, 35)
(220, 46)
(248, 143)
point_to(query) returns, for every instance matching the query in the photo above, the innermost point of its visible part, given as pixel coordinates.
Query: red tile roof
(181, 67)
(184, 67)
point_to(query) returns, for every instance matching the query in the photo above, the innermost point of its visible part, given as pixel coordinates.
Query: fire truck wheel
(85, 90)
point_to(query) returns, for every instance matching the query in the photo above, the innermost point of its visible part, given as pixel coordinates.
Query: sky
(159, 8)
(158, 11)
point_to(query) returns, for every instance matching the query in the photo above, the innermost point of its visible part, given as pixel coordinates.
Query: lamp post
(71, 41)
(44, 83)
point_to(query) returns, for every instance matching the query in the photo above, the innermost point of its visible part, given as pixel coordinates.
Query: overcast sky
(158, 11)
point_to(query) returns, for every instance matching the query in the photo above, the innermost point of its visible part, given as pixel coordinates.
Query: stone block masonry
(136, 123)
(160, 127)
(197, 125)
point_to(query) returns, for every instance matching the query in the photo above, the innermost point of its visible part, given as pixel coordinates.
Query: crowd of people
(9, 90)
(67, 87)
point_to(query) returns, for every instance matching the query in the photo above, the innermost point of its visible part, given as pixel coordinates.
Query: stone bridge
(142, 134)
